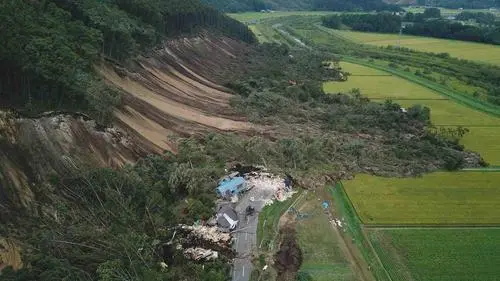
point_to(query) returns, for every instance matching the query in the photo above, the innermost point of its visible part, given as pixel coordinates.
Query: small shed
(231, 186)
(227, 218)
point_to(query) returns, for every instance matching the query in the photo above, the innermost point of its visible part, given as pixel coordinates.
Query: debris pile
(200, 254)
(203, 242)
(209, 234)
(340, 223)
(266, 183)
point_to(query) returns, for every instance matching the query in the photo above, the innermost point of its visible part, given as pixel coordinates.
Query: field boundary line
(340, 186)
(396, 98)
(490, 169)
(431, 226)
(455, 96)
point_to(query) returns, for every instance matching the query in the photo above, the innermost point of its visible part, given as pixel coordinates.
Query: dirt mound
(289, 257)
(174, 91)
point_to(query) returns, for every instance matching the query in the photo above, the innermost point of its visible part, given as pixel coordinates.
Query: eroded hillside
(35, 149)
(173, 91)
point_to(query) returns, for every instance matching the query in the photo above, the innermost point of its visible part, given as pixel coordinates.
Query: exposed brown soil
(10, 254)
(288, 259)
(173, 92)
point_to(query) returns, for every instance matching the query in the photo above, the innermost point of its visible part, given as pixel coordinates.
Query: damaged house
(227, 218)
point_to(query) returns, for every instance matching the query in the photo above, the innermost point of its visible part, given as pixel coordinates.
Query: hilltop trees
(383, 22)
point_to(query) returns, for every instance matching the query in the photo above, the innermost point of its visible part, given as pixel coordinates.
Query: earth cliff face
(34, 150)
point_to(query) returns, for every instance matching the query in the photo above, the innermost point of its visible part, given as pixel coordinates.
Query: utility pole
(400, 34)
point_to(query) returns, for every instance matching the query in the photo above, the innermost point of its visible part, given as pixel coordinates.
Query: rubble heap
(207, 233)
(200, 254)
(268, 183)
(203, 242)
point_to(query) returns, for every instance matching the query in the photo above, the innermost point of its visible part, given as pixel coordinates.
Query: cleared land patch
(439, 254)
(323, 259)
(437, 198)
(460, 49)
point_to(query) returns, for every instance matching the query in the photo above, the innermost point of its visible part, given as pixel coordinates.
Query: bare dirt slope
(174, 91)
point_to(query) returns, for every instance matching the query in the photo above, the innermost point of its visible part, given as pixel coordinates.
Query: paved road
(246, 234)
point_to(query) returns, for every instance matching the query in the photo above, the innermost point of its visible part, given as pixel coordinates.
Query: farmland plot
(323, 259)
(380, 85)
(437, 254)
(437, 198)
(460, 49)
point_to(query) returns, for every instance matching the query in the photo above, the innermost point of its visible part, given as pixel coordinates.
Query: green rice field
(437, 198)
(380, 85)
(439, 254)
(484, 140)
(323, 259)
(460, 49)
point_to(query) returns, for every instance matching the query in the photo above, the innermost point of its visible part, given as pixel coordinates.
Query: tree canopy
(383, 22)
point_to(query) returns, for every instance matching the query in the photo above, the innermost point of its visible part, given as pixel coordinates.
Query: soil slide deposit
(289, 257)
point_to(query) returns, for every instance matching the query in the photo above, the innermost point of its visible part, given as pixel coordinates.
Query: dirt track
(172, 93)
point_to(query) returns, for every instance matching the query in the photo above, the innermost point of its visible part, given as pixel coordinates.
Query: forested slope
(51, 46)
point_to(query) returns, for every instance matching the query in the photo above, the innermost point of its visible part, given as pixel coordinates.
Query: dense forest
(457, 31)
(354, 5)
(383, 22)
(51, 46)
(428, 23)
(468, 4)
(480, 17)
(327, 5)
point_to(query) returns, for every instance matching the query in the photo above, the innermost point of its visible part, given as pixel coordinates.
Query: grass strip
(354, 227)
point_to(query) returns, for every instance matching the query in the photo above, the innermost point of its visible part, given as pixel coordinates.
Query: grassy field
(461, 49)
(261, 37)
(439, 254)
(374, 83)
(250, 17)
(323, 259)
(437, 198)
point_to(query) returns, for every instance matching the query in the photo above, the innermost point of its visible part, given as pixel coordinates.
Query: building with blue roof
(231, 186)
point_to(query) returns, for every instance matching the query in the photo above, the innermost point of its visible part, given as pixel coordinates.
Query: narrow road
(245, 235)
